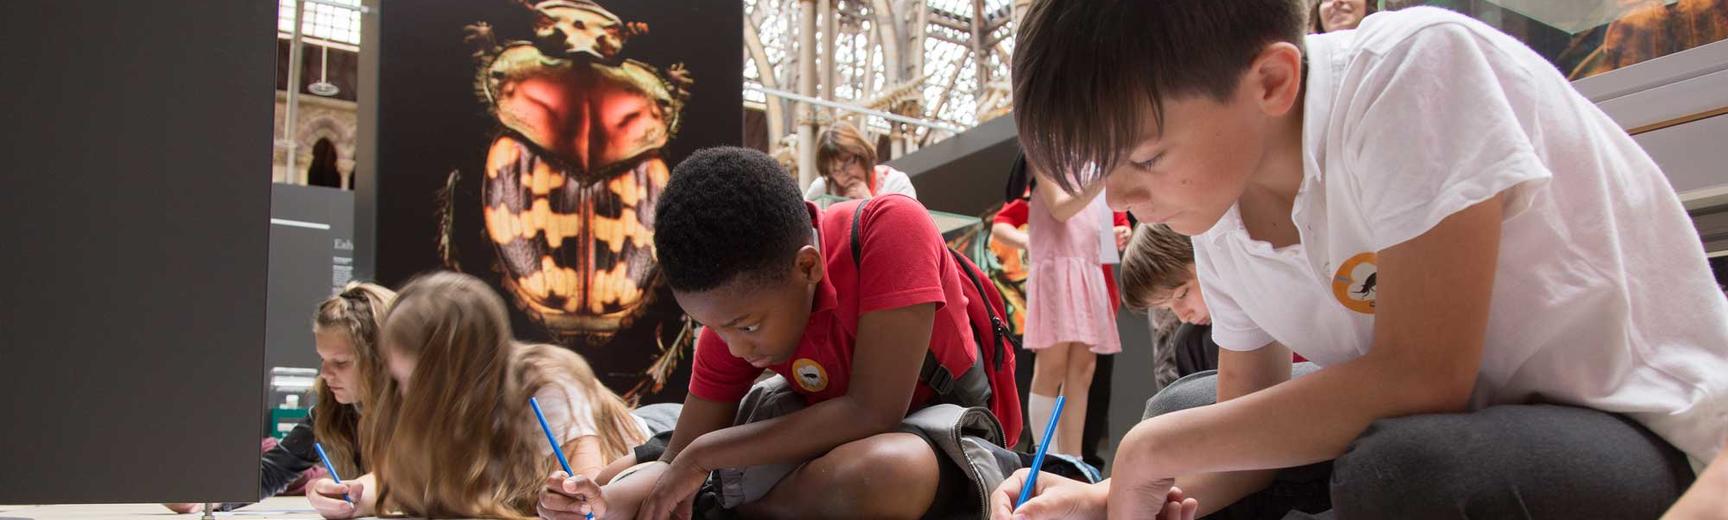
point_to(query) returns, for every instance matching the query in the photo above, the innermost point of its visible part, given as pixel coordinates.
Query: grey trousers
(660, 417)
(1512, 461)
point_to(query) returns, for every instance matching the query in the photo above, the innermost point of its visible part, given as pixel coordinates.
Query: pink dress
(1066, 299)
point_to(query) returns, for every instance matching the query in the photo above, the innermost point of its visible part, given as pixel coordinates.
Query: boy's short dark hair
(1084, 71)
(728, 212)
(1156, 260)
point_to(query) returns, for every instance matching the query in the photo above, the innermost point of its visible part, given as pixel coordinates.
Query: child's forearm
(1430, 322)
(585, 457)
(1063, 205)
(625, 493)
(891, 343)
(1240, 373)
(1307, 420)
(1216, 491)
(796, 437)
(1708, 497)
(699, 417)
(1008, 235)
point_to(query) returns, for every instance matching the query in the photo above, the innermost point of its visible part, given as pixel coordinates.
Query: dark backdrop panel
(311, 257)
(431, 123)
(965, 174)
(134, 199)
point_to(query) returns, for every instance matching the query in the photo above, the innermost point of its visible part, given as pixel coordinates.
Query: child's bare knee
(891, 475)
(1082, 372)
(1049, 364)
(901, 455)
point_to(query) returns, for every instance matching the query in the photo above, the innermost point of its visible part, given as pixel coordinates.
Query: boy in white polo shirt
(1513, 310)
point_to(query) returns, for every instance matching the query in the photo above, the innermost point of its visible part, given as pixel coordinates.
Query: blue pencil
(556, 450)
(327, 465)
(1038, 460)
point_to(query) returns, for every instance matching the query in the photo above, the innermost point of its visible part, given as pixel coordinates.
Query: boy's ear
(807, 265)
(1274, 79)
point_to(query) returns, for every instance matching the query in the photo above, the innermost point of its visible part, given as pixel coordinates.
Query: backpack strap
(999, 328)
(972, 388)
(858, 234)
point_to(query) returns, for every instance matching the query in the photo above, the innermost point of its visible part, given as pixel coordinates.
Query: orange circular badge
(1354, 283)
(809, 375)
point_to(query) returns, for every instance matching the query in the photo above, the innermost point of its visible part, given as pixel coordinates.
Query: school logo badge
(809, 375)
(1354, 284)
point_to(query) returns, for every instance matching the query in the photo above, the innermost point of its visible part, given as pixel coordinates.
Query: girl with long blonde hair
(346, 329)
(451, 433)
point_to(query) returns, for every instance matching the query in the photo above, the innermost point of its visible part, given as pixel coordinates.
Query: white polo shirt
(1602, 297)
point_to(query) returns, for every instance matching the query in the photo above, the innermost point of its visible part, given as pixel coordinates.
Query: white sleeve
(896, 181)
(1434, 127)
(568, 412)
(817, 188)
(1231, 327)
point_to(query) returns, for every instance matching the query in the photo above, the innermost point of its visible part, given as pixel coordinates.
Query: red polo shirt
(905, 262)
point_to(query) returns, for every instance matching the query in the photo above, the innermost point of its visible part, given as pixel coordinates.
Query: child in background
(452, 433)
(846, 167)
(1158, 273)
(1070, 308)
(1339, 15)
(345, 331)
(1008, 240)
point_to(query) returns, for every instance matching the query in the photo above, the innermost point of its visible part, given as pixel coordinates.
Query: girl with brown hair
(451, 433)
(1339, 15)
(846, 165)
(345, 328)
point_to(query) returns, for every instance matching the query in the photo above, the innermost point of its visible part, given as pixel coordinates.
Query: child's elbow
(874, 419)
(882, 422)
(1443, 391)
(1425, 381)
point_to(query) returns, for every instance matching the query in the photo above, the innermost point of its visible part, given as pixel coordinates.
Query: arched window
(323, 170)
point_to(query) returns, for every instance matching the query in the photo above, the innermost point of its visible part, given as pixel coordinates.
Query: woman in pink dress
(1069, 314)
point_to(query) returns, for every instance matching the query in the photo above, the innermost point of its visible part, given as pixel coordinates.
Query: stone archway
(334, 124)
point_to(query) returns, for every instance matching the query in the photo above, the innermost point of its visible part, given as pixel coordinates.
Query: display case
(291, 398)
(1584, 38)
(1659, 68)
(951, 225)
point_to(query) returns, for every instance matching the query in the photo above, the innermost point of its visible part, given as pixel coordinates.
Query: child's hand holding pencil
(1057, 497)
(324, 490)
(571, 498)
(566, 496)
(1027, 496)
(334, 500)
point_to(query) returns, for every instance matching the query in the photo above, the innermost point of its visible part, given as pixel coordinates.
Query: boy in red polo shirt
(848, 312)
